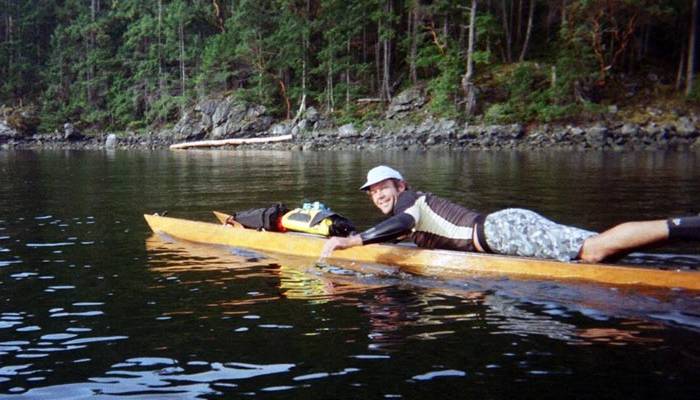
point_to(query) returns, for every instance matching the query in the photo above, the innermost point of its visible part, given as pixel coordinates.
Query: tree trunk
(91, 47)
(506, 30)
(518, 22)
(378, 58)
(219, 14)
(305, 57)
(413, 55)
(386, 64)
(183, 81)
(690, 75)
(679, 74)
(529, 30)
(330, 101)
(347, 76)
(467, 84)
(161, 78)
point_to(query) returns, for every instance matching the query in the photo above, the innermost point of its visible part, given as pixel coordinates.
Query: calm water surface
(92, 305)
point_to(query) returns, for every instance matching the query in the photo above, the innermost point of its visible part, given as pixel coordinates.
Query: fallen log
(230, 142)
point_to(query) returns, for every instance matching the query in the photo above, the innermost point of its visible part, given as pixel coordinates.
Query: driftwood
(370, 100)
(230, 142)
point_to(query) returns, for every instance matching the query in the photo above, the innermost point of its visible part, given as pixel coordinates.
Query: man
(434, 222)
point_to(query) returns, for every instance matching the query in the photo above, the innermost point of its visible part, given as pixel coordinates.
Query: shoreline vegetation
(365, 74)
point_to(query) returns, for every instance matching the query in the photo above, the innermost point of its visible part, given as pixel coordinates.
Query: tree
(467, 84)
(25, 32)
(690, 75)
(526, 42)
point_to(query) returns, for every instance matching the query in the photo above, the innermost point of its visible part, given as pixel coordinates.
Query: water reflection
(394, 303)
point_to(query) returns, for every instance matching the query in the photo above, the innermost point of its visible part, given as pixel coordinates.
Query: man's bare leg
(624, 238)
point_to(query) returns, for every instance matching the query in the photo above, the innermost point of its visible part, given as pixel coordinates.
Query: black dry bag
(266, 218)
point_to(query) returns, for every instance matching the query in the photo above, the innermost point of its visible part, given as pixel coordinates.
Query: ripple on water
(5, 263)
(31, 328)
(58, 336)
(439, 374)
(77, 314)
(159, 377)
(55, 244)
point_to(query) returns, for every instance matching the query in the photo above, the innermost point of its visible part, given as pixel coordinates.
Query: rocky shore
(397, 129)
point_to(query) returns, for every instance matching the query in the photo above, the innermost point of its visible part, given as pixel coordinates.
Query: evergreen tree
(25, 31)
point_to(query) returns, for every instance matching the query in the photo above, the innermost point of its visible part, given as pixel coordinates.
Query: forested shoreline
(128, 65)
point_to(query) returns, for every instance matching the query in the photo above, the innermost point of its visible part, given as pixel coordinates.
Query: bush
(531, 96)
(500, 113)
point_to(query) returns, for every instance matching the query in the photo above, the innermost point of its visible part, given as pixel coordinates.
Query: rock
(613, 109)
(6, 132)
(70, 133)
(221, 113)
(300, 127)
(111, 141)
(280, 129)
(405, 102)
(685, 128)
(514, 131)
(208, 107)
(312, 115)
(652, 130)
(629, 130)
(575, 130)
(696, 145)
(654, 112)
(347, 131)
(189, 127)
(368, 132)
(222, 118)
(596, 136)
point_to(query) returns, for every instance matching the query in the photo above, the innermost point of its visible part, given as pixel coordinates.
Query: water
(92, 305)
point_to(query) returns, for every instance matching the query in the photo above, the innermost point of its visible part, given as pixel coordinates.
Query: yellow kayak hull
(437, 263)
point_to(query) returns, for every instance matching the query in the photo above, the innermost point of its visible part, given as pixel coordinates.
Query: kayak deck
(438, 263)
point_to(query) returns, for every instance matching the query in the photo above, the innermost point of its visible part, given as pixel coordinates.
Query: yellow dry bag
(312, 220)
(317, 219)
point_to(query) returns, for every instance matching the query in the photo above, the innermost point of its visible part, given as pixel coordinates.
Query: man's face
(384, 194)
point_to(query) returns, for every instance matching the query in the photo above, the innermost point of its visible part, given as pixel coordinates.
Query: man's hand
(337, 243)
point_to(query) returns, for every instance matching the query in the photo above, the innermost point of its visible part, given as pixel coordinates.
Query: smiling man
(436, 223)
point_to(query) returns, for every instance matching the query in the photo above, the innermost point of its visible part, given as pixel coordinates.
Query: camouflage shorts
(519, 232)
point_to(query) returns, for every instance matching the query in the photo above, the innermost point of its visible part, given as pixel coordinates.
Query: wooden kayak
(437, 263)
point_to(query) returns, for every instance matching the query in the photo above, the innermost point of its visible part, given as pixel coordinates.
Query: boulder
(70, 133)
(312, 115)
(7, 132)
(405, 102)
(189, 127)
(347, 131)
(221, 113)
(111, 141)
(280, 129)
(596, 136)
(629, 130)
(685, 128)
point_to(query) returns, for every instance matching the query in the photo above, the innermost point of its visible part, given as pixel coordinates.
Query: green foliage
(444, 88)
(136, 64)
(500, 113)
(532, 97)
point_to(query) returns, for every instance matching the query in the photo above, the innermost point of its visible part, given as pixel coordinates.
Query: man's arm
(384, 231)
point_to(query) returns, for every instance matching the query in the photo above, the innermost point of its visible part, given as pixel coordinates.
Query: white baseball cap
(380, 173)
